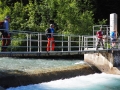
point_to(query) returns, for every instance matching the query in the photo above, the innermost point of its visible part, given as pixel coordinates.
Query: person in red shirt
(99, 36)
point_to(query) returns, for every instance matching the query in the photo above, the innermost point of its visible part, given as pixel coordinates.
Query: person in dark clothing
(6, 35)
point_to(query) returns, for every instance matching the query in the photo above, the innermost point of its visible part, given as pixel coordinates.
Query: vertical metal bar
(69, 43)
(38, 42)
(79, 43)
(82, 43)
(27, 42)
(107, 38)
(62, 42)
(30, 44)
(11, 44)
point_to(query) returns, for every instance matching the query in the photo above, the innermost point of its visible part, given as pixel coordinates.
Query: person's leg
(53, 44)
(102, 43)
(112, 43)
(3, 42)
(48, 44)
(98, 42)
(8, 41)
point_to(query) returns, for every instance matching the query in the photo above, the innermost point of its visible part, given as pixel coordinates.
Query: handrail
(37, 42)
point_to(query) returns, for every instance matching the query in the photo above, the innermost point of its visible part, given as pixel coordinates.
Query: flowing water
(89, 82)
(32, 64)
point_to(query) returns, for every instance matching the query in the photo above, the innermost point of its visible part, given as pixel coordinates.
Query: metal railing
(25, 41)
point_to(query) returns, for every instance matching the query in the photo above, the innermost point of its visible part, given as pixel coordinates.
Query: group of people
(6, 36)
(51, 42)
(100, 38)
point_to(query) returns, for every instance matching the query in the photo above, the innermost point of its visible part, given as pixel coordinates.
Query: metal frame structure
(36, 43)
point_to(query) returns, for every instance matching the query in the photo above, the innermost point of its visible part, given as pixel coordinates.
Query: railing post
(30, 44)
(82, 43)
(27, 42)
(40, 42)
(69, 43)
(79, 43)
(62, 42)
(11, 43)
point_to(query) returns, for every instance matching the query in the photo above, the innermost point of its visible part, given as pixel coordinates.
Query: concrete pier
(107, 62)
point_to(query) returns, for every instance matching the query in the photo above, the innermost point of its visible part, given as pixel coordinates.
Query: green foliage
(69, 16)
(4, 10)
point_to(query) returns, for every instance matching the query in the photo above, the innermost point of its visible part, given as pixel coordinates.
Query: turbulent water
(32, 64)
(90, 82)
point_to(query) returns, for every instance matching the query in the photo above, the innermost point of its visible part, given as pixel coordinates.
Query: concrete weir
(107, 62)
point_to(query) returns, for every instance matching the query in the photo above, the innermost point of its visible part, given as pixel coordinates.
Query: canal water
(33, 64)
(89, 82)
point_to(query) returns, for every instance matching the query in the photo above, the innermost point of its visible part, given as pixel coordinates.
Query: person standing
(50, 38)
(6, 35)
(113, 38)
(99, 36)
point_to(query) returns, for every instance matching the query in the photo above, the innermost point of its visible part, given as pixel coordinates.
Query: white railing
(26, 41)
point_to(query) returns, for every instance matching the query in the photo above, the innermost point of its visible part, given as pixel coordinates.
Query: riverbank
(14, 78)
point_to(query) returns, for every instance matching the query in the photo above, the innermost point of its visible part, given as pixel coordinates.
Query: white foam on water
(90, 82)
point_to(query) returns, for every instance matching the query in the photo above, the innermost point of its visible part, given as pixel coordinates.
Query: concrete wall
(106, 62)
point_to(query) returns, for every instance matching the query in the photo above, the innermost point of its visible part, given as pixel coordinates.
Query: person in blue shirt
(113, 38)
(6, 35)
(50, 37)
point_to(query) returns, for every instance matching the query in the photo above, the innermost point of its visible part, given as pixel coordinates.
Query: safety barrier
(27, 41)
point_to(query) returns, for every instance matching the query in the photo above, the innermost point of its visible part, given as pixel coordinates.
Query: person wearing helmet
(6, 34)
(50, 37)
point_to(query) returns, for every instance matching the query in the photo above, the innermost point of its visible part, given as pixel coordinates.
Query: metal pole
(79, 43)
(62, 42)
(38, 42)
(30, 44)
(27, 42)
(69, 43)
